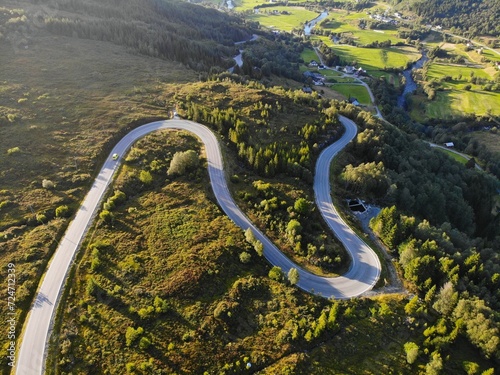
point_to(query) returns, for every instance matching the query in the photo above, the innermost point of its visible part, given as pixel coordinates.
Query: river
(410, 84)
(309, 26)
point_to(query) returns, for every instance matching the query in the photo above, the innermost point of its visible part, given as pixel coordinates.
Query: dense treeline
(247, 128)
(469, 17)
(280, 57)
(357, 5)
(459, 131)
(421, 181)
(440, 223)
(198, 37)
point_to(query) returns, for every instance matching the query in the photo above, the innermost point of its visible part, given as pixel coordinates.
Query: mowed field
(353, 91)
(491, 140)
(343, 22)
(455, 103)
(242, 5)
(308, 54)
(454, 100)
(375, 59)
(272, 17)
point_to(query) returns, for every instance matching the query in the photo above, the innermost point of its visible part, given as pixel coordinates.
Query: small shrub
(12, 117)
(183, 161)
(62, 211)
(276, 274)
(133, 334)
(5, 203)
(13, 150)
(145, 177)
(245, 257)
(41, 218)
(293, 276)
(411, 350)
(47, 184)
(144, 343)
(106, 216)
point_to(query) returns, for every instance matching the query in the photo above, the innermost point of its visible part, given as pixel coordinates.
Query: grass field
(491, 55)
(357, 91)
(308, 54)
(340, 21)
(376, 59)
(242, 5)
(392, 78)
(455, 101)
(286, 22)
(458, 73)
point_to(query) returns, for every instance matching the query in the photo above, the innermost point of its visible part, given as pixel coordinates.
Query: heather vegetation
(214, 287)
(275, 135)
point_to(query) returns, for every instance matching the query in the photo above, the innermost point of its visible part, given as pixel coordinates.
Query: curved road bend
(361, 277)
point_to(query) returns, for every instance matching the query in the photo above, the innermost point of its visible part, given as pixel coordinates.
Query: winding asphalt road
(361, 277)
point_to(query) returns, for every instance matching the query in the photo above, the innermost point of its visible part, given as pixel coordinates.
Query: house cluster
(354, 101)
(348, 69)
(315, 64)
(383, 18)
(317, 79)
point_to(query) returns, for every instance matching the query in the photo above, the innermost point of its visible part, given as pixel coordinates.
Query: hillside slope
(198, 37)
(473, 17)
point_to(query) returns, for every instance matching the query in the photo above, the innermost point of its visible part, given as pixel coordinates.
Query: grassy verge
(353, 91)
(453, 155)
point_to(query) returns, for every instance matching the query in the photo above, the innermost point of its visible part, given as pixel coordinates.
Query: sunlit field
(284, 22)
(353, 91)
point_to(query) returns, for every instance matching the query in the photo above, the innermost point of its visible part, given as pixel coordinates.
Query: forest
(467, 17)
(199, 38)
(460, 130)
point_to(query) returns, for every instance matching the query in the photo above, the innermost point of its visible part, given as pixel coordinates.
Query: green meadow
(242, 5)
(373, 59)
(491, 140)
(459, 73)
(357, 91)
(456, 102)
(285, 22)
(308, 54)
(341, 22)
(453, 100)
